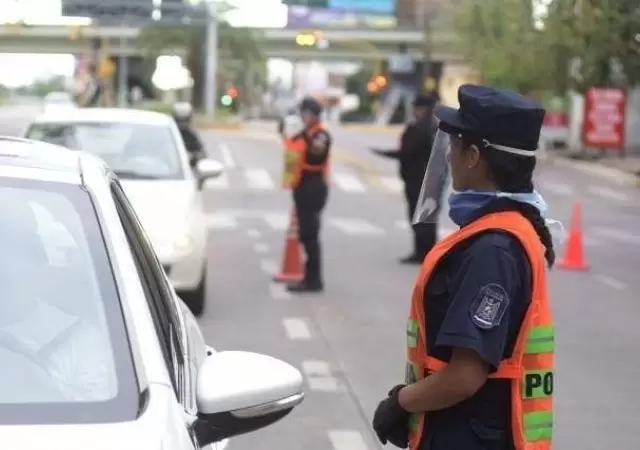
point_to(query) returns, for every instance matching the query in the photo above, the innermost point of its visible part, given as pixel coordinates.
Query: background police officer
(182, 114)
(474, 290)
(415, 144)
(310, 192)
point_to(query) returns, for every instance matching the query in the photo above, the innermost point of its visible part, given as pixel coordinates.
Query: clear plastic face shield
(435, 182)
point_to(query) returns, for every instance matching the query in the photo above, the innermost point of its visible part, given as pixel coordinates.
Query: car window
(62, 338)
(132, 150)
(160, 296)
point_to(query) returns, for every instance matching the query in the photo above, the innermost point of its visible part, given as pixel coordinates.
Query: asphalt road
(349, 341)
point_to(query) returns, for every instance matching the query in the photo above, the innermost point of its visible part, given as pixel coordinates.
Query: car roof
(18, 153)
(105, 115)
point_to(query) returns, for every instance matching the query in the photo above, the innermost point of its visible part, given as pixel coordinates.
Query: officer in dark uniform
(415, 144)
(182, 114)
(475, 295)
(310, 194)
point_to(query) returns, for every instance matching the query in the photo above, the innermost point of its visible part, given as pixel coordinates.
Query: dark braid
(532, 214)
(514, 173)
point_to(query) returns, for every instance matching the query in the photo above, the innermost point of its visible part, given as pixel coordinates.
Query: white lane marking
(259, 179)
(296, 329)
(227, 157)
(253, 233)
(277, 221)
(556, 188)
(608, 193)
(393, 184)
(346, 440)
(261, 247)
(268, 266)
(221, 221)
(443, 230)
(354, 227)
(219, 183)
(279, 292)
(619, 235)
(348, 182)
(320, 377)
(611, 282)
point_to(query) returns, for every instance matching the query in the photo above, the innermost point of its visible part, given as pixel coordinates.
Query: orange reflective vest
(529, 369)
(295, 159)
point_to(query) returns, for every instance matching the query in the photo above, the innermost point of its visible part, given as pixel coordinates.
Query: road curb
(219, 126)
(617, 176)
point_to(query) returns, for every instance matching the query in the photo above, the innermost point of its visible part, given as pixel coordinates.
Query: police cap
(502, 118)
(425, 100)
(311, 105)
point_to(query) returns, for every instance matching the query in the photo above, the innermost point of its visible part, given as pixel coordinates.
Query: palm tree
(238, 48)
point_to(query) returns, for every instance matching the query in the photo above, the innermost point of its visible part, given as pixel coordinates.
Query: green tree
(240, 50)
(594, 37)
(501, 41)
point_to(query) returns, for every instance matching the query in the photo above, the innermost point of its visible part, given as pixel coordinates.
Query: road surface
(350, 341)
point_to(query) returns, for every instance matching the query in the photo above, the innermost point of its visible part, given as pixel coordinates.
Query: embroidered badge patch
(489, 306)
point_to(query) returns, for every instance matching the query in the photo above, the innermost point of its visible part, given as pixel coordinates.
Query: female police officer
(480, 331)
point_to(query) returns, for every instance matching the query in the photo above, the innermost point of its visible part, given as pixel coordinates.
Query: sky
(28, 68)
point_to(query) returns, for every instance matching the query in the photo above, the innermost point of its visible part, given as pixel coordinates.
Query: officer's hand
(391, 421)
(280, 126)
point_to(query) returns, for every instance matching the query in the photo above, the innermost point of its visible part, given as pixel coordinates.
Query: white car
(98, 352)
(147, 153)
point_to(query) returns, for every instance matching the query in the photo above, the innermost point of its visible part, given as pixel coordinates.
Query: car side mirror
(239, 392)
(207, 168)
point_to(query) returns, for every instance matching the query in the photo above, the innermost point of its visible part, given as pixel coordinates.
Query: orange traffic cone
(574, 258)
(291, 270)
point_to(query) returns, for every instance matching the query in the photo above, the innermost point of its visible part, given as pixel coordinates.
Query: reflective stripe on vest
(530, 368)
(295, 156)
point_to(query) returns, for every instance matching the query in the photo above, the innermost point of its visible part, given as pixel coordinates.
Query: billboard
(130, 12)
(303, 17)
(371, 6)
(604, 118)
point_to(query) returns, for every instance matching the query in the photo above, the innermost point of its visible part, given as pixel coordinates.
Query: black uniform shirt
(491, 267)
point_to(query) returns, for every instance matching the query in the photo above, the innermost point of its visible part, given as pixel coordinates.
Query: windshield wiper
(133, 175)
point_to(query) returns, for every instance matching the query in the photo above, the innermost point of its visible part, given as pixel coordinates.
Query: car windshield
(132, 150)
(63, 344)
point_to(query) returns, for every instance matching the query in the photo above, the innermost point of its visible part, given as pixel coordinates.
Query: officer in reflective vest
(480, 334)
(306, 167)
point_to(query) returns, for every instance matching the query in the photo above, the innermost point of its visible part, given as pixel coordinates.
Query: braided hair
(513, 173)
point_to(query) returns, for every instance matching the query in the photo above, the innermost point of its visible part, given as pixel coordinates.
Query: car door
(165, 310)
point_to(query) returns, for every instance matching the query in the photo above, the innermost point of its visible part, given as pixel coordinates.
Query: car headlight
(175, 247)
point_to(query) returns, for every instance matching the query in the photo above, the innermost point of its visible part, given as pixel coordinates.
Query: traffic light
(229, 97)
(377, 83)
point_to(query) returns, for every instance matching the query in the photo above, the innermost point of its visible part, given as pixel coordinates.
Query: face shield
(435, 182)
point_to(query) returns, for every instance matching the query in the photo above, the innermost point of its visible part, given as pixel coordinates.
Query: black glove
(391, 421)
(280, 126)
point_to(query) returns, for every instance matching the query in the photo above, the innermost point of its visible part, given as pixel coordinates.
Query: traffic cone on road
(291, 270)
(573, 258)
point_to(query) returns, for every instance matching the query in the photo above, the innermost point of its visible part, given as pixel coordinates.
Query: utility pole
(424, 10)
(211, 62)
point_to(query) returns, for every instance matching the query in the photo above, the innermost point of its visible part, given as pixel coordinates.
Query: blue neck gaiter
(464, 205)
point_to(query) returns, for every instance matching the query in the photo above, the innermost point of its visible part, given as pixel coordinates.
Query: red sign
(604, 118)
(555, 119)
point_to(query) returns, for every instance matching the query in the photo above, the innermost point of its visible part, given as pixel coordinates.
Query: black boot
(412, 259)
(306, 286)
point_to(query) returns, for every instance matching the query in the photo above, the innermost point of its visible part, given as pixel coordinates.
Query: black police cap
(502, 117)
(425, 100)
(312, 105)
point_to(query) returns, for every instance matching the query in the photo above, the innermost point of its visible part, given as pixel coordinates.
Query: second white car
(146, 151)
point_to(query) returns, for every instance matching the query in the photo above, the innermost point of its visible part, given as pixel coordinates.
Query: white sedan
(146, 151)
(58, 101)
(98, 352)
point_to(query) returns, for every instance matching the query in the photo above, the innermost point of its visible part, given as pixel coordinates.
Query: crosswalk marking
(608, 193)
(348, 182)
(277, 221)
(222, 221)
(353, 227)
(556, 188)
(393, 184)
(619, 235)
(259, 179)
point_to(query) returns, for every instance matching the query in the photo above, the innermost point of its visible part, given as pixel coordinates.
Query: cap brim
(449, 117)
